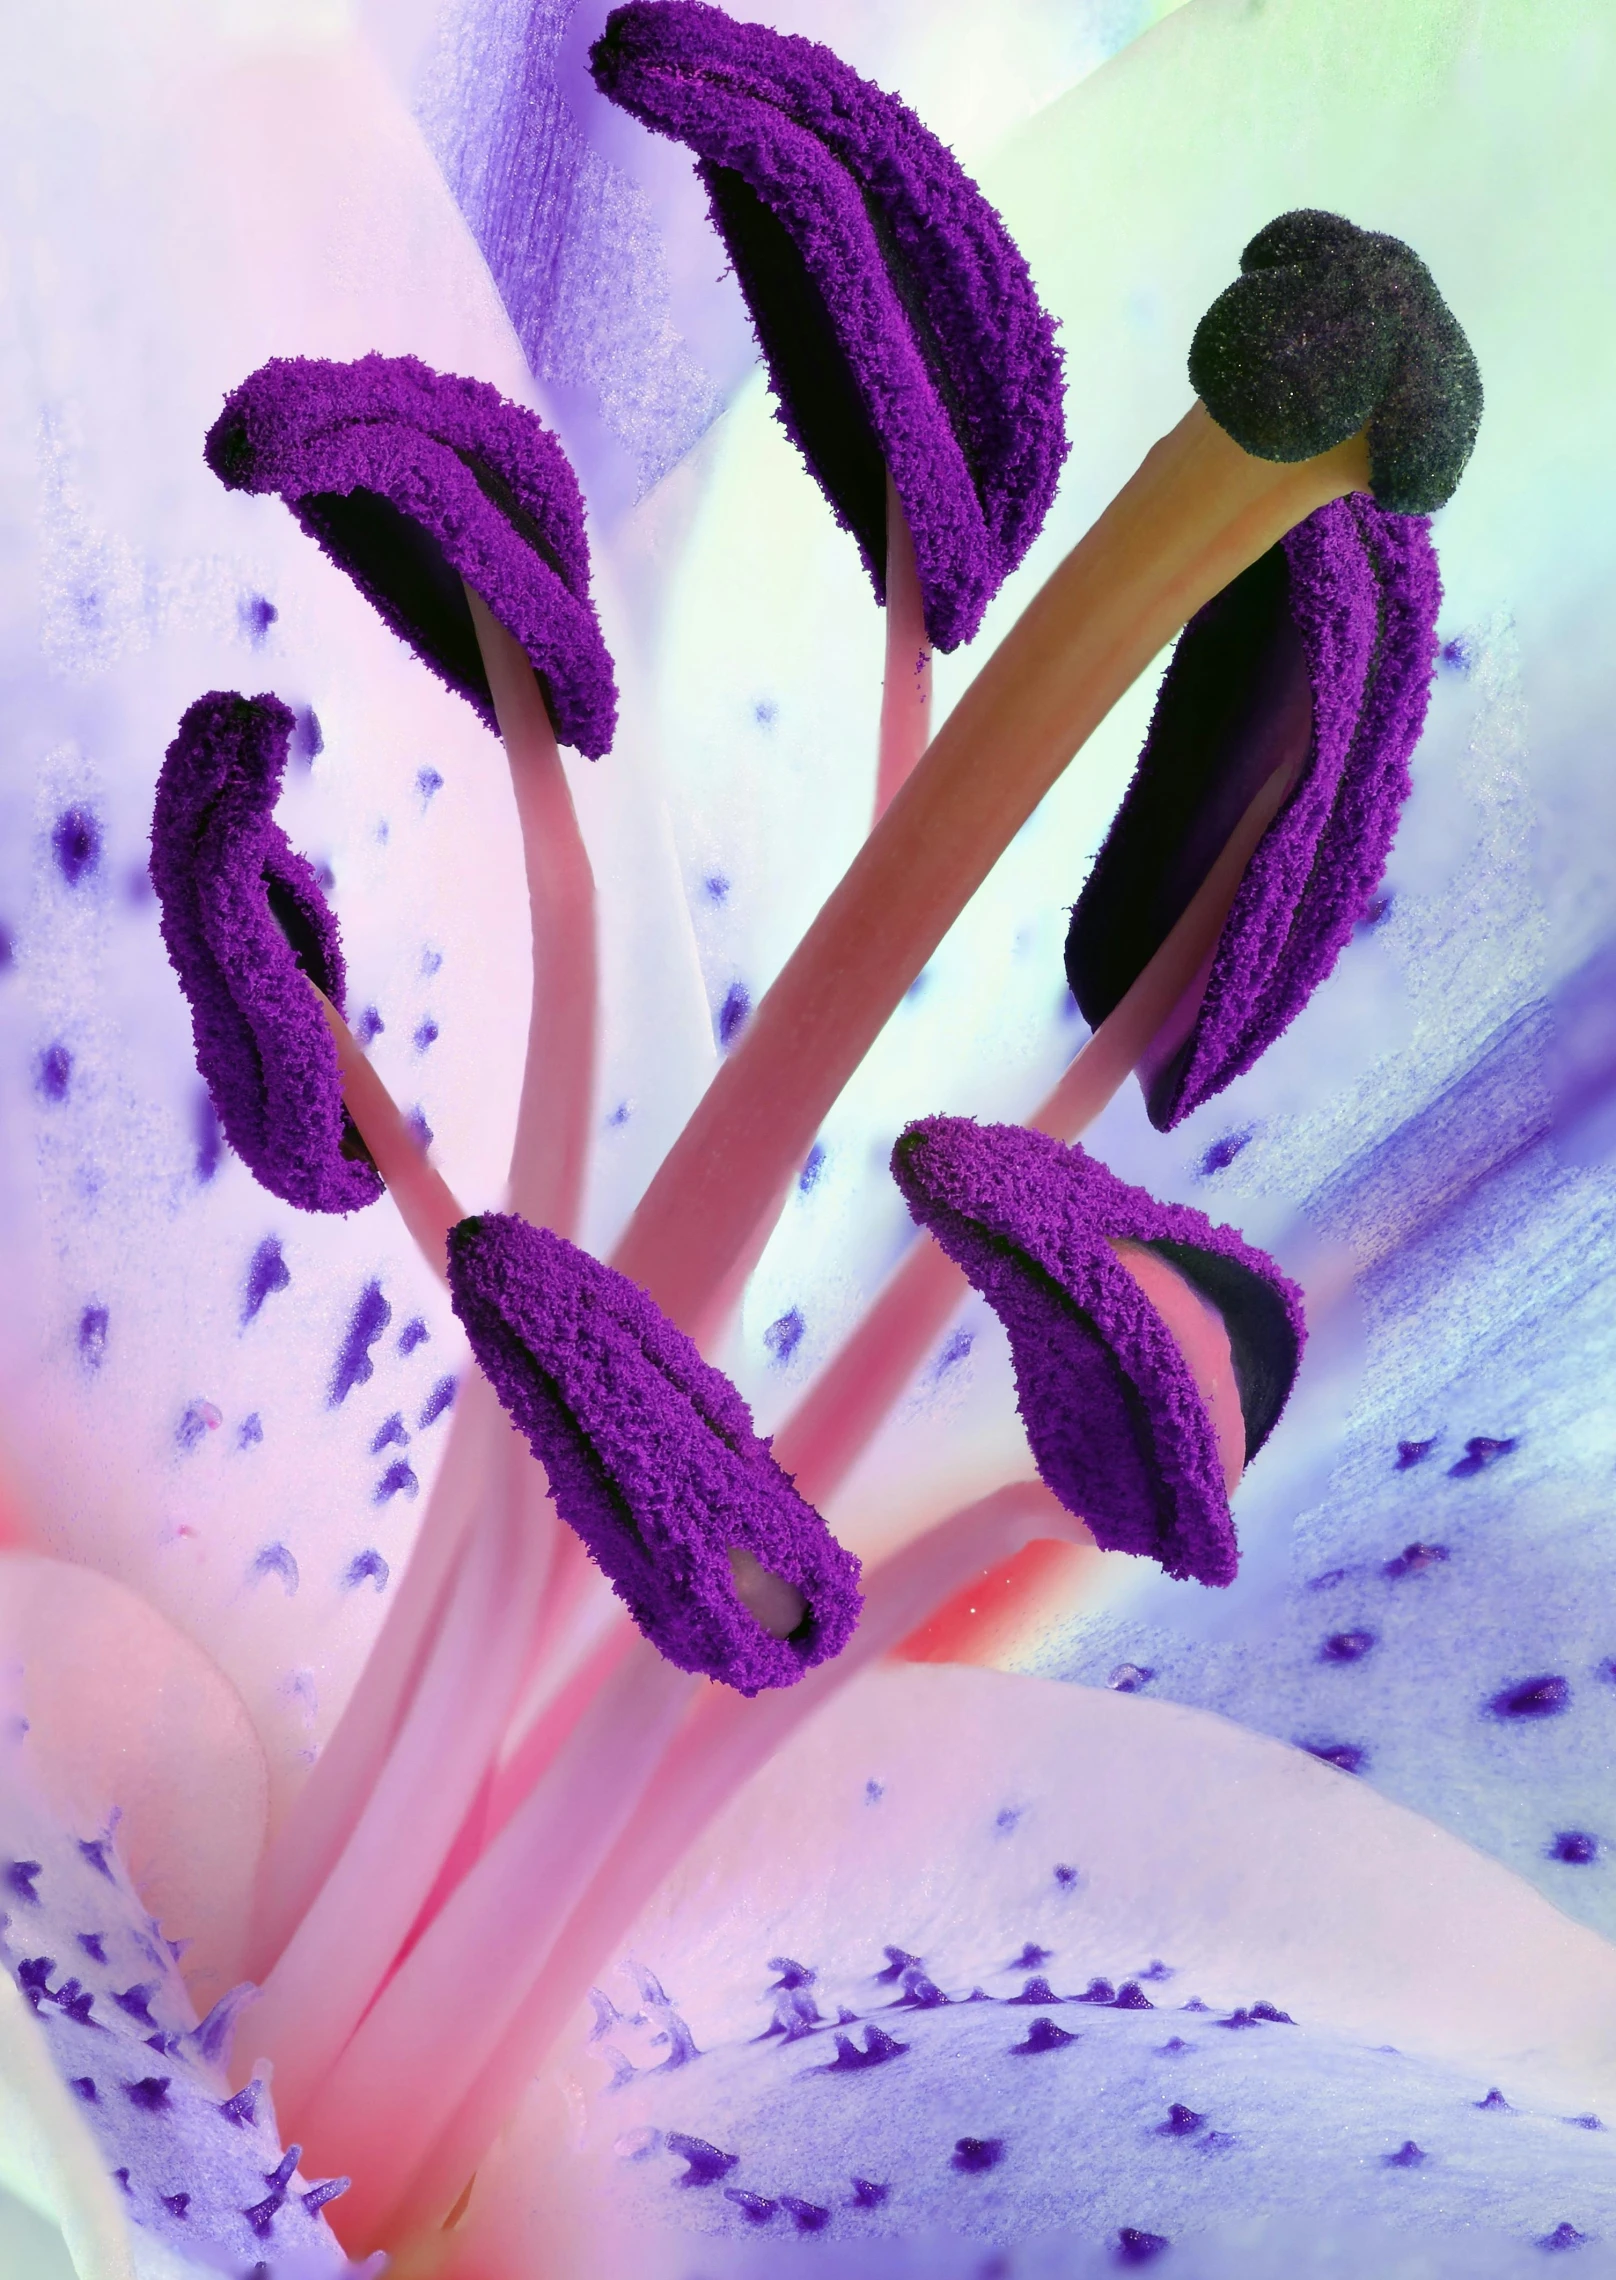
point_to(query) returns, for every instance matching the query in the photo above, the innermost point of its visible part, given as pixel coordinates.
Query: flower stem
(1197, 512)
(550, 1156)
(906, 682)
(849, 1401)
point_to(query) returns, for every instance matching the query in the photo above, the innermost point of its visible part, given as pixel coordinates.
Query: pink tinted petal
(125, 1714)
(1255, 1871)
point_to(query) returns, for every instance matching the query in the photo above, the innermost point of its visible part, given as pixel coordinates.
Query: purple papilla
(896, 315)
(1362, 594)
(412, 481)
(1114, 1419)
(262, 1044)
(650, 1454)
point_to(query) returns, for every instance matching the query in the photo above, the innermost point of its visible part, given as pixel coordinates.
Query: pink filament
(1198, 511)
(722, 1741)
(424, 1201)
(551, 1153)
(906, 683)
(838, 1417)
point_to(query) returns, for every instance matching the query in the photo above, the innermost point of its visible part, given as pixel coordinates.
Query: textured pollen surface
(1113, 1417)
(897, 318)
(1329, 637)
(650, 1454)
(201, 2171)
(415, 482)
(1329, 329)
(247, 928)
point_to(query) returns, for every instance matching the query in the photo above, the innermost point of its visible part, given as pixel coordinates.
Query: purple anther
(418, 484)
(1182, 2121)
(706, 2164)
(1042, 2035)
(899, 323)
(248, 929)
(1318, 660)
(973, 2155)
(650, 1454)
(1114, 1419)
(1545, 1697)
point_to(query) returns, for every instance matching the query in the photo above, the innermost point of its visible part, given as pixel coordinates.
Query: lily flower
(998, 1877)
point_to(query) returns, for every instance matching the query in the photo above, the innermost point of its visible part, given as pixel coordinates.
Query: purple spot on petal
(95, 1851)
(369, 1319)
(437, 1401)
(1414, 1452)
(275, 1559)
(93, 1946)
(972, 2155)
(867, 2194)
(398, 1479)
(1575, 1846)
(1136, 2247)
(1346, 1646)
(715, 887)
(84, 2085)
(267, 1272)
(784, 1335)
(1042, 2035)
(175, 2203)
(1222, 1153)
(308, 738)
(420, 1130)
(427, 783)
(426, 1033)
(752, 2206)
(1494, 2103)
(19, 1879)
(366, 1567)
(1130, 1996)
(1480, 1452)
(1128, 1678)
(807, 2216)
(1407, 2156)
(414, 1333)
(53, 1072)
(209, 1138)
(1414, 1559)
(1097, 1991)
(392, 1431)
(732, 1014)
(328, 2189)
(1545, 1697)
(150, 2093)
(1065, 1876)
(1564, 2235)
(765, 712)
(1457, 656)
(706, 2164)
(257, 614)
(250, 1431)
(242, 2110)
(76, 844)
(93, 1324)
(369, 1026)
(1182, 2121)
(813, 1165)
